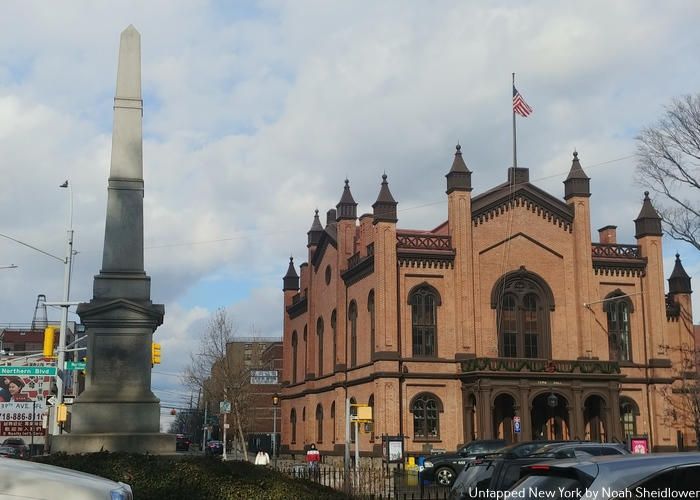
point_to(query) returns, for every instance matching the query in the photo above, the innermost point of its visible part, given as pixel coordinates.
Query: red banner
(22, 428)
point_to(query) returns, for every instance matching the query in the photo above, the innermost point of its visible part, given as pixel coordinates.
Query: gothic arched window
(628, 417)
(352, 316)
(618, 307)
(333, 420)
(293, 425)
(334, 320)
(370, 403)
(295, 342)
(370, 309)
(522, 301)
(319, 424)
(424, 300)
(319, 334)
(426, 410)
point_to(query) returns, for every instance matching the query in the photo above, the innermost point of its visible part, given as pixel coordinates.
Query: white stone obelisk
(118, 411)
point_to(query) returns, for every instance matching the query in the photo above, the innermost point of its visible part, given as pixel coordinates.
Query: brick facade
(507, 309)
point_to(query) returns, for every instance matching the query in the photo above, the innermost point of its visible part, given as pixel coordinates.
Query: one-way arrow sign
(52, 401)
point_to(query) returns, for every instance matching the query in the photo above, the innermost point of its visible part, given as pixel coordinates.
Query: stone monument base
(153, 443)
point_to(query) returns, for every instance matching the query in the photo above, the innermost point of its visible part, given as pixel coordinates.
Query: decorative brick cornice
(300, 305)
(361, 269)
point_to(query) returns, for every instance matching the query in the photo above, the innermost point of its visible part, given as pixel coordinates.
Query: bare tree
(682, 398)
(214, 371)
(669, 164)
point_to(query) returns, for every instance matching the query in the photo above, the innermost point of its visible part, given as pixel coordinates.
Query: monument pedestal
(153, 443)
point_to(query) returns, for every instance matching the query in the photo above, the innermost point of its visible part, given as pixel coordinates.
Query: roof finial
(575, 154)
(459, 147)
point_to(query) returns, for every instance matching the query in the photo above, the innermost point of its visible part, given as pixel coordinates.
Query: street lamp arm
(61, 259)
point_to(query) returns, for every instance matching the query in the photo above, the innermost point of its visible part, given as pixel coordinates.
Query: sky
(256, 112)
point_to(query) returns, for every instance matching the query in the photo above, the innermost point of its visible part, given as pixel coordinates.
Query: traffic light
(155, 353)
(84, 360)
(49, 335)
(62, 413)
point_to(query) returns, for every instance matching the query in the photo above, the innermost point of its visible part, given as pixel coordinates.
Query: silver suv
(659, 475)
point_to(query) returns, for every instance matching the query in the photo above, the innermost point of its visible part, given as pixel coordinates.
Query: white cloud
(254, 115)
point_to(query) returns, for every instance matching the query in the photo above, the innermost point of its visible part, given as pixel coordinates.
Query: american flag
(519, 104)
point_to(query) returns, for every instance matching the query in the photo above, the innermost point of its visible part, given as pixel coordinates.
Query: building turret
(679, 282)
(459, 178)
(577, 183)
(291, 279)
(648, 223)
(315, 232)
(347, 208)
(459, 220)
(577, 194)
(385, 206)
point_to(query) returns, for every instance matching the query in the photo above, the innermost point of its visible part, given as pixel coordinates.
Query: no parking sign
(516, 424)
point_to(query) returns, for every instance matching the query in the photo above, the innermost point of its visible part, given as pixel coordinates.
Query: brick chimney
(608, 234)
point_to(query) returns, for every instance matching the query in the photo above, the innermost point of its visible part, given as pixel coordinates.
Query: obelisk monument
(118, 411)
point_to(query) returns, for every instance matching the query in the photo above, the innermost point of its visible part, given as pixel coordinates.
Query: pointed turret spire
(347, 208)
(648, 223)
(577, 182)
(316, 230)
(291, 279)
(385, 206)
(679, 282)
(459, 178)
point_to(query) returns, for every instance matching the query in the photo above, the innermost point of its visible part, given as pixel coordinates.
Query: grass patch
(154, 477)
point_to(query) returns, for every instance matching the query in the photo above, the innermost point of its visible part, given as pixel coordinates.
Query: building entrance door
(550, 417)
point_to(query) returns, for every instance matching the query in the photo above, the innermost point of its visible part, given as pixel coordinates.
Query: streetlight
(61, 351)
(275, 404)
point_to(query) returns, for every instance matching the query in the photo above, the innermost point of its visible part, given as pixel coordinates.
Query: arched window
(619, 307)
(370, 309)
(522, 301)
(424, 300)
(293, 425)
(370, 403)
(335, 434)
(319, 333)
(334, 320)
(319, 424)
(295, 342)
(352, 316)
(628, 417)
(306, 367)
(426, 410)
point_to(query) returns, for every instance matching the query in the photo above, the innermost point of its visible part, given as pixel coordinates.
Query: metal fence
(368, 483)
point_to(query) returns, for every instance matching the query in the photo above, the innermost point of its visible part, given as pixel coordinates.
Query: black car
(182, 443)
(9, 452)
(214, 448)
(498, 473)
(662, 475)
(19, 445)
(444, 468)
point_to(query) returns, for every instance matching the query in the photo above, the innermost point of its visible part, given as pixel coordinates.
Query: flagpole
(515, 154)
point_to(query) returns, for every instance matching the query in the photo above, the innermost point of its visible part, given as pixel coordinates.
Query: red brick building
(507, 309)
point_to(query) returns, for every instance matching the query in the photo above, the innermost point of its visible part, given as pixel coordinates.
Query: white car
(31, 480)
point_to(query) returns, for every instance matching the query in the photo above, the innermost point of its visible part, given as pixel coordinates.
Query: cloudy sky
(255, 112)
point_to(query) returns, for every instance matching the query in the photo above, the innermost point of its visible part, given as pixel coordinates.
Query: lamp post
(61, 351)
(275, 404)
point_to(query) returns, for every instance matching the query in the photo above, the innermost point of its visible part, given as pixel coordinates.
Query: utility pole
(225, 424)
(204, 428)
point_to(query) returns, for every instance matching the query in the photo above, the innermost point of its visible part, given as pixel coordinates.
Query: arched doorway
(594, 419)
(550, 417)
(503, 413)
(629, 411)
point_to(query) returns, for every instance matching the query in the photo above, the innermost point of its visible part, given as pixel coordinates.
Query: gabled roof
(523, 193)
(329, 237)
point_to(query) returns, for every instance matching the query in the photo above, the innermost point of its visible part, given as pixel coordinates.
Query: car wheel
(444, 476)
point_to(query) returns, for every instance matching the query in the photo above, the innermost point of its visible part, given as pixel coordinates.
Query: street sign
(75, 365)
(516, 424)
(225, 407)
(31, 371)
(52, 400)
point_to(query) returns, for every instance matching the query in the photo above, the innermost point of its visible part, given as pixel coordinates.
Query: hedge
(154, 477)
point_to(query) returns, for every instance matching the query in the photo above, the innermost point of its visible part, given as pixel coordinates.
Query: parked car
(25, 479)
(19, 444)
(214, 448)
(444, 468)
(662, 475)
(9, 452)
(498, 473)
(182, 443)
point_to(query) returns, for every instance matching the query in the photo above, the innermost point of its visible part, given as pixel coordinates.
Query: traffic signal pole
(61, 351)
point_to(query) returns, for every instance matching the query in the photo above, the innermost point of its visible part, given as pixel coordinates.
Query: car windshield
(487, 446)
(522, 449)
(552, 487)
(13, 441)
